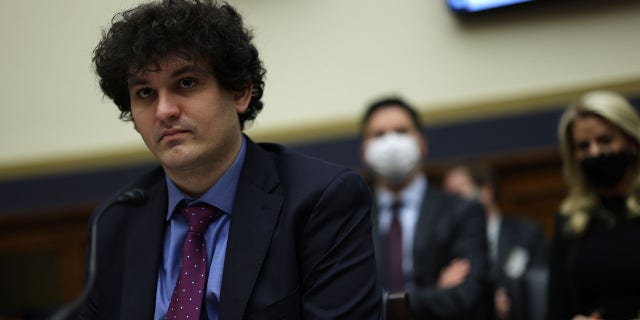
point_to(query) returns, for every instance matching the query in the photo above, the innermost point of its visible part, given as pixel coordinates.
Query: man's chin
(396, 181)
(176, 157)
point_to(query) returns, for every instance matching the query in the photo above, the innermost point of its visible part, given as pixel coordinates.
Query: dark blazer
(596, 270)
(519, 234)
(299, 245)
(564, 297)
(448, 227)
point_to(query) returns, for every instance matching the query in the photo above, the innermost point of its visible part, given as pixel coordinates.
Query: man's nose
(168, 107)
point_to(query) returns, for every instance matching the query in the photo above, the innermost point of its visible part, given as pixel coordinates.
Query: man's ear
(424, 145)
(362, 151)
(242, 98)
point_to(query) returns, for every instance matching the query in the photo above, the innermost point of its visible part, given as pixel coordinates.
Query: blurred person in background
(517, 249)
(594, 257)
(428, 243)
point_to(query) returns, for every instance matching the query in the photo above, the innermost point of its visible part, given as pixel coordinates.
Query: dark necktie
(394, 251)
(186, 301)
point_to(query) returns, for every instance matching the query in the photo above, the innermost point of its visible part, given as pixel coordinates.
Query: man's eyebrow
(186, 69)
(134, 79)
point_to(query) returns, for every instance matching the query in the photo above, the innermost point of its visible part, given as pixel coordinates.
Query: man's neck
(195, 181)
(492, 211)
(396, 188)
(195, 184)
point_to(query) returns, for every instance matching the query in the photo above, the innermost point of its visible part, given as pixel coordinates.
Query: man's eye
(187, 83)
(144, 92)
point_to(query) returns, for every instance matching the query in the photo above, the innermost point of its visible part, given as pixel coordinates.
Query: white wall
(325, 60)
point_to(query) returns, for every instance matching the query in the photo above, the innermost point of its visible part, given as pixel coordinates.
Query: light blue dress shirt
(221, 195)
(411, 198)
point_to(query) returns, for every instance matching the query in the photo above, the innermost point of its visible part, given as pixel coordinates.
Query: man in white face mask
(429, 244)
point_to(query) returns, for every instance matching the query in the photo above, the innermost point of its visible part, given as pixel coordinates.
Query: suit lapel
(377, 241)
(143, 253)
(426, 225)
(424, 235)
(253, 220)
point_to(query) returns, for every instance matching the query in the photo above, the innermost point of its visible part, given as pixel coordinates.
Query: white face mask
(393, 156)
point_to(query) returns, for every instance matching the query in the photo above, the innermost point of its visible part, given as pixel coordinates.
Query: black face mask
(607, 169)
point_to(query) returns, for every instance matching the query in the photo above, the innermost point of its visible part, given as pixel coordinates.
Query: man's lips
(171, 132)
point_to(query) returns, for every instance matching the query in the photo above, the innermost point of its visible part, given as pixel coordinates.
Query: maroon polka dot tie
(186, 301)
(395, 274)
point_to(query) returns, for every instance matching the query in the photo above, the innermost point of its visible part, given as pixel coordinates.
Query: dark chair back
(395, 306)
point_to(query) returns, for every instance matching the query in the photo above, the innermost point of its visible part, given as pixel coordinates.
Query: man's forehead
(390, 118)
(169, 64)
(460, 174)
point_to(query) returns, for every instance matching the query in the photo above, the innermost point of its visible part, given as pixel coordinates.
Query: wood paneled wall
(41, 260)
(529, 185)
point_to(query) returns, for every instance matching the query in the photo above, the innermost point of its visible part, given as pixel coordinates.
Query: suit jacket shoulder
(128, 252)
(299, 241)
(563, 299)
(299, 244)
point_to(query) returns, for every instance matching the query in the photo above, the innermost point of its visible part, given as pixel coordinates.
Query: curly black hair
(192, 29)
(388, 102)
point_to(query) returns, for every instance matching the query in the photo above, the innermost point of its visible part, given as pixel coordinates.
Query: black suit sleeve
(336, 252)
(561, 303)
(538, 248)
(468, 241)
(89, 310)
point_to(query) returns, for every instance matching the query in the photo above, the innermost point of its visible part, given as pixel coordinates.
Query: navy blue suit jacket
(448, 227)
(299, 246)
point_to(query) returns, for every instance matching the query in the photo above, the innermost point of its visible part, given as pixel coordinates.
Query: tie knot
(199, 216)
(396, 206)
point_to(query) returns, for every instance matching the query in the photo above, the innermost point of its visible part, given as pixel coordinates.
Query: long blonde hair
(615, 109)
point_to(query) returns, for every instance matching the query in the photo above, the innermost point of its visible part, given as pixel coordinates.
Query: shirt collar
(493, 226)
(495, 220)
(220, 195)
(410, 195)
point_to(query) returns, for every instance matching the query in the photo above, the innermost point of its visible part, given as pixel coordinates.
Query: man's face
(391, 119)
(393, 146)
(458, 181)
(184, 117)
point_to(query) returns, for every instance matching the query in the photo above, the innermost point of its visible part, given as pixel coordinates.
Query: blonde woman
(595, 263)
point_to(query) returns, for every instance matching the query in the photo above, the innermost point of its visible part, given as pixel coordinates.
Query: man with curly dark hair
(231, 229)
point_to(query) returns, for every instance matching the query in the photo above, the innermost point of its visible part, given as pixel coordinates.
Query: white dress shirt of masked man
(442, 264)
